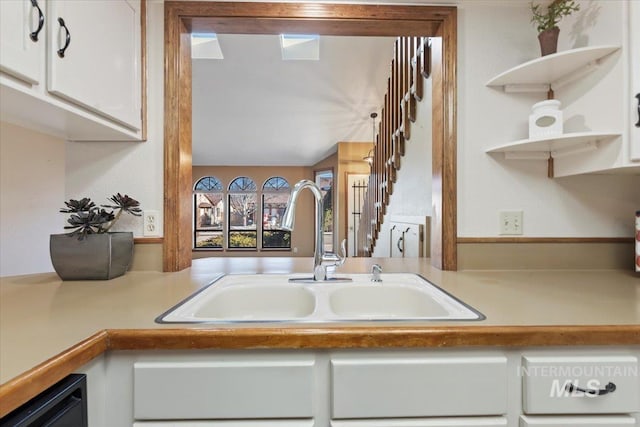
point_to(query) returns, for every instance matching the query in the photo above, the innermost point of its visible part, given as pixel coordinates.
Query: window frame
(270, 191)
(216, 188)
(235, 192)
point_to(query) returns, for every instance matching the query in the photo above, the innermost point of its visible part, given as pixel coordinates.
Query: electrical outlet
(150, 223)
(511, 222)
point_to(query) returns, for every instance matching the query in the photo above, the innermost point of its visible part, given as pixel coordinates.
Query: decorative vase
(545, 120)
(549, 41)
(95, 257)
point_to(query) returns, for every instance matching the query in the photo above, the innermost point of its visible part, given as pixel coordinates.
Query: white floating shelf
(551, 71)
(557, 146)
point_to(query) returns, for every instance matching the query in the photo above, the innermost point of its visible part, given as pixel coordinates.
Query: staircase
(405, 86)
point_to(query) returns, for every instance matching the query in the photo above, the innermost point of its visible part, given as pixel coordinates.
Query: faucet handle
(343, 253)
(334, 259)
(376, 269)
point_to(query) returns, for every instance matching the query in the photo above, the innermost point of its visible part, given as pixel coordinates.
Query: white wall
(492, 39)
(493, 36)
(32, 188)
(412, 190)
(100, 169)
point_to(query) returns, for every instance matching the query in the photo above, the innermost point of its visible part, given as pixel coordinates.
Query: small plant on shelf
(87, 218)
(546, 21)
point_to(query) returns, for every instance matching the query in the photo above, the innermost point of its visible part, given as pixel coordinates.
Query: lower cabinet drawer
(223, 389)
(227, 423)
(418, 387)
(586, 421)
(547, 382)
(425, 422)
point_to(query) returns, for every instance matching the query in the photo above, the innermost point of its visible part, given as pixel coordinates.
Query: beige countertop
(42, 317)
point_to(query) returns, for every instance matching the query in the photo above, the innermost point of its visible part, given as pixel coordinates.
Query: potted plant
(90, 251)
(546, 21)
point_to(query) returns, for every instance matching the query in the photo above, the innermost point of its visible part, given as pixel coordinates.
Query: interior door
(356, 187)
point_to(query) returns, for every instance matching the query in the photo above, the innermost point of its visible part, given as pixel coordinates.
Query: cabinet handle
(638, 98)
(34, 35)
(67, 40)
(609, 388)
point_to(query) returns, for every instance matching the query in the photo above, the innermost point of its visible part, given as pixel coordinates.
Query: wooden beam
(181, 17)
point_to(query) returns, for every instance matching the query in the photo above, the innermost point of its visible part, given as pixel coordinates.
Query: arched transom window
(208, 209)
(243, 204)
(275, 195)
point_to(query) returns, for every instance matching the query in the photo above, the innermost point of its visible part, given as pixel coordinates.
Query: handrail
(409, 65)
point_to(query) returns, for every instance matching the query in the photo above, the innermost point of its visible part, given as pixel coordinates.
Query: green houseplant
(90, 251)
(546, 21)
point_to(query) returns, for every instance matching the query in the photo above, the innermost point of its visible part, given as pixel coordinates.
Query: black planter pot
(96, 257)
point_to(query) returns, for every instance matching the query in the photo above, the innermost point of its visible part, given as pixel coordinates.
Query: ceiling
(252, 108)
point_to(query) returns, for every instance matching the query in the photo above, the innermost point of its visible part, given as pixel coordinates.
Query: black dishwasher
(61, 405)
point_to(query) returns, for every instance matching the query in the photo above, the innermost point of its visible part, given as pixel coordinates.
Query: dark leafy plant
(547, 18)
(87, 218)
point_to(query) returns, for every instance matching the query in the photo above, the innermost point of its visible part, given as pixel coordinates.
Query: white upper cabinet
(82, 79)
(22, 39)
(94, 56)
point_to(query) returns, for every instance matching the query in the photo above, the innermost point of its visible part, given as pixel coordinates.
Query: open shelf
(551, 71)
(557, 146)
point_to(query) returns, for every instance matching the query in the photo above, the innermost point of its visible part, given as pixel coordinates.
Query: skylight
(205, 46)
(300, 47)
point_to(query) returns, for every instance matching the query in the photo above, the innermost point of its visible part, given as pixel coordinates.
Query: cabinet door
(634, 48)
(239, 389)
(100, 66)
(418, 387)
(586, 421)
(425, 422)
(240, 423)
(557, 384)
(20, 55)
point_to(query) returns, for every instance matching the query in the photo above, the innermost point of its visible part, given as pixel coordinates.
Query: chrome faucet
(321, 259)
(376, 269)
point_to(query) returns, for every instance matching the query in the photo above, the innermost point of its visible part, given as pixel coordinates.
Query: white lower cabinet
(425, 422)
(506, 387)
(224, 389)
(578, 384)
(232, 423)
(418, 387)
(588, 421)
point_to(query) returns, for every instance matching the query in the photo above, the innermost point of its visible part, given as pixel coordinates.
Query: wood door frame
(183, 17)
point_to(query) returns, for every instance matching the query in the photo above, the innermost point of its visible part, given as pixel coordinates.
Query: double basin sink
(272, 298)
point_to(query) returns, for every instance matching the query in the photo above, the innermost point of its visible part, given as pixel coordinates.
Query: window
(275, 195)
(208, 213)
(205, 46)
(242, 213)
(300, 47)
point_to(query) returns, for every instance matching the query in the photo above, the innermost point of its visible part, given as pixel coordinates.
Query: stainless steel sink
(271, 298)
